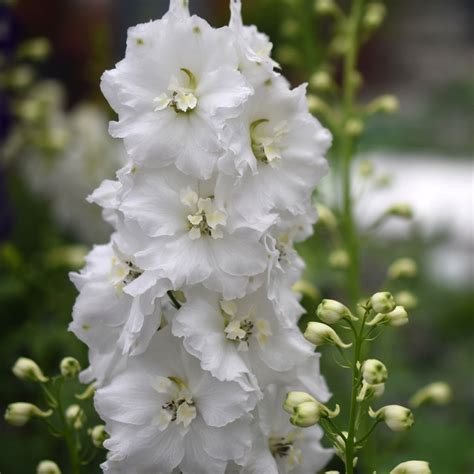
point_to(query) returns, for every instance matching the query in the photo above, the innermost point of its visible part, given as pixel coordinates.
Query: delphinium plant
(196, 361)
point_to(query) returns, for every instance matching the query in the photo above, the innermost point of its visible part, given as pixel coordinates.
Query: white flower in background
(189, 312)
(173, 92)
(163, 411)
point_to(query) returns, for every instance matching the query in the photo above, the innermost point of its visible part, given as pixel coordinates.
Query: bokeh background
(55, 150)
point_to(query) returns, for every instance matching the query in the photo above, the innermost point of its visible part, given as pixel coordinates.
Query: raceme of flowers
(188, 312)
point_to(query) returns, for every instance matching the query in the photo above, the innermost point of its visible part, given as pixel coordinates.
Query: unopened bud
(21, 77)
(75, 416)
(412, 467)
(321, 81)
(309, 413)
(29, 110)
(374, 371)
(27, 369)
(319, 334)
(406, 299)
(98, 435)
(402, 268)
(439, 393)
(396, 417)
(293, 399)
(325, 7)
(331, 312)
(374, 15)
(387, 104)
(382, 302)
(315, 104)
(339, 259)
(306, 288)
(18, 414)
(400, 210)
(69, 367)
(354, 127)
(36, 49)
(366, 168)
(397, 317)
(326, 216)
(47, 467)
(370, 390)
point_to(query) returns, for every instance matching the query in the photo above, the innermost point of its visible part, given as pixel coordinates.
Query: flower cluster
(188, 312)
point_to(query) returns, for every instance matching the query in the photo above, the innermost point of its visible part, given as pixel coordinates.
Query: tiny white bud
(306, 289)
(326, 216)
(315, 104)
(19, 413)
(319, 334)
(400, 210)
(75, 416)
(439, 393)
(293, 399)
(98, 435)
(69, 367)
(27, 369)
(374, 371)
(396, 417)
(406, 299)
(382, 302)
(47, 467)
(36, 49)
(374, 15)
(402, 268)
(339, 259)
(331, 311)
(412, 467)
(320, 81)
(354, 127)
(324, 7)
(366, 168)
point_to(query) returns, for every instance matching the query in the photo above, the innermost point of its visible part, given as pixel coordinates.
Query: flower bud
(315, 104)
(402, 268)
(324, 7)
(306, 289)
(319, 334)
(387, 104)
(18, 414)
(331, 311)
(412, 467)
(400, 210)
(308, 413)
(36, 49)
(396, 417)
(370, 390)
(326, 216)
(339, 259)
(406, 299)
(27, 369)
(374, 371)
(293, 399)
(75, 416)
(69, 367)
(439, 393)
(354, 127)
(321, 81)
(98, 435)
(374, 15)
(366, 168)
(397, 317)
(47, 467)
(382, 302)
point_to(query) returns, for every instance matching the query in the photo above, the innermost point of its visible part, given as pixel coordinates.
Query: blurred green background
(422, 54)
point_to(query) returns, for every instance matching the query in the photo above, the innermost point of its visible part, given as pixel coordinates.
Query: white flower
(163, 411)
(192, 238)
(233, 338)
(279, 447)
(173, 92)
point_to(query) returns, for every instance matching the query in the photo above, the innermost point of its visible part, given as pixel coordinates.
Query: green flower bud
(387, 104)
(406, 299)
(306, 289)
(321, 81)
(439, 393)
(354, 127)
(325, 7)
(412, 467)
(309, 413)
(396, 417)
(326, 216)
(331, 311)
(339, 259)
(366, 168)
(289, 55)
(98, 435)
(36, 49)
(374, 15)
(293, 399)
(315, 104)
(27, 369)
(397, 317)
(382, 302)
(47, 467)
(19, 413)
(400, 210)
(319, 334)
(374, 372)
(70, 367)
(75, 416)
(402, 268)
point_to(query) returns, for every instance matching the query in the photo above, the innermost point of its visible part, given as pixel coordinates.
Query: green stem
(68, 434)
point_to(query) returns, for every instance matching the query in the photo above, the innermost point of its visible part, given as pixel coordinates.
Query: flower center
(283, 447)
(180, 95)
(179, 407)
(266, 140)
(241, 328)
(204, 218)
(123, 271)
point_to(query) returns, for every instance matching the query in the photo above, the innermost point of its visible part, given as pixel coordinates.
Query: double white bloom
(223, 159)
